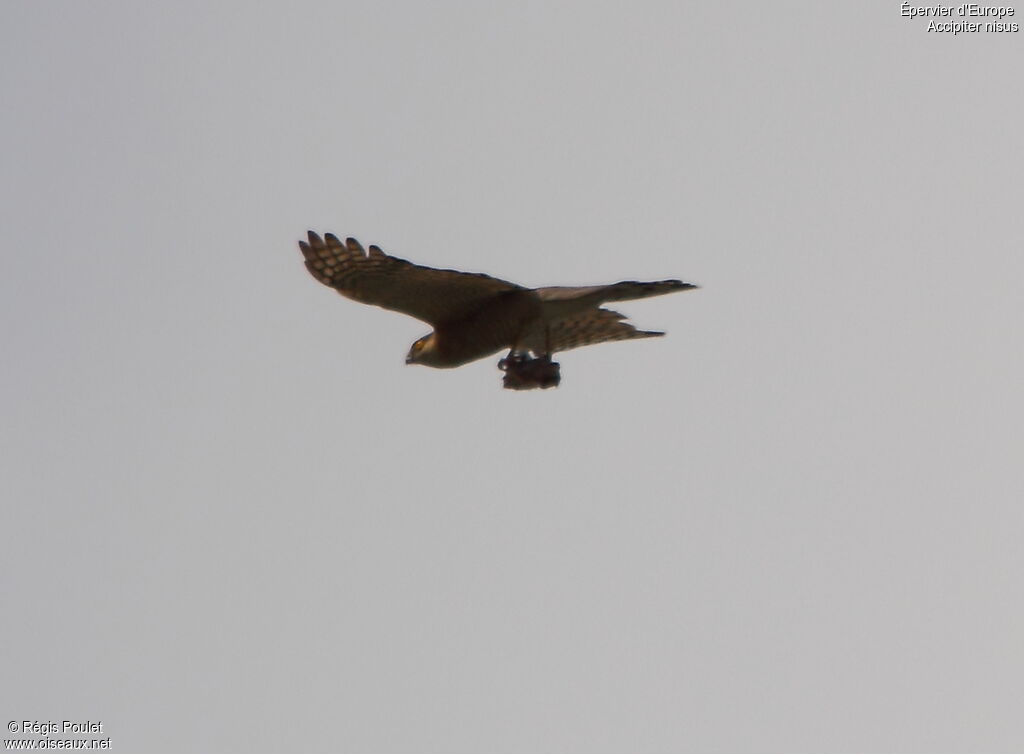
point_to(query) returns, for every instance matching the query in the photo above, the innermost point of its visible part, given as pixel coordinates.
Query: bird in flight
(476, 315)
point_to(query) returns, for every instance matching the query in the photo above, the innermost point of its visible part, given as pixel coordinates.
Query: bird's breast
(495, 325)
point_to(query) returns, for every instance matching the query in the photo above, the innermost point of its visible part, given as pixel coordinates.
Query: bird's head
(424, 351)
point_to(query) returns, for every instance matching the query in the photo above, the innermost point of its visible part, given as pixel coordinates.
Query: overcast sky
(234, 520)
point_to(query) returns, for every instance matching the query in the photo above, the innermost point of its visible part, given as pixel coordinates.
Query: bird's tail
(591, 327)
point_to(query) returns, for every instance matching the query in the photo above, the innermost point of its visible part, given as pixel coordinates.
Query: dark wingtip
(682, 286)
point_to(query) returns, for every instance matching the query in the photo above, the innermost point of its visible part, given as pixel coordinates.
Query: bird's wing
(627, 290)
(592, 326)
(373, 277)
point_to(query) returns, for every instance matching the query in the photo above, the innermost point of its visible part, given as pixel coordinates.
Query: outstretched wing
(590, 327)
(372, 277)
(627, 290)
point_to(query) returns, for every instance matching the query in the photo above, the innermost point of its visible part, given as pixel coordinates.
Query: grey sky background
(235, 521)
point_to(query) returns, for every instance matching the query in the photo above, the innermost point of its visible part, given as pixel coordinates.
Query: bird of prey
(476, 315)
